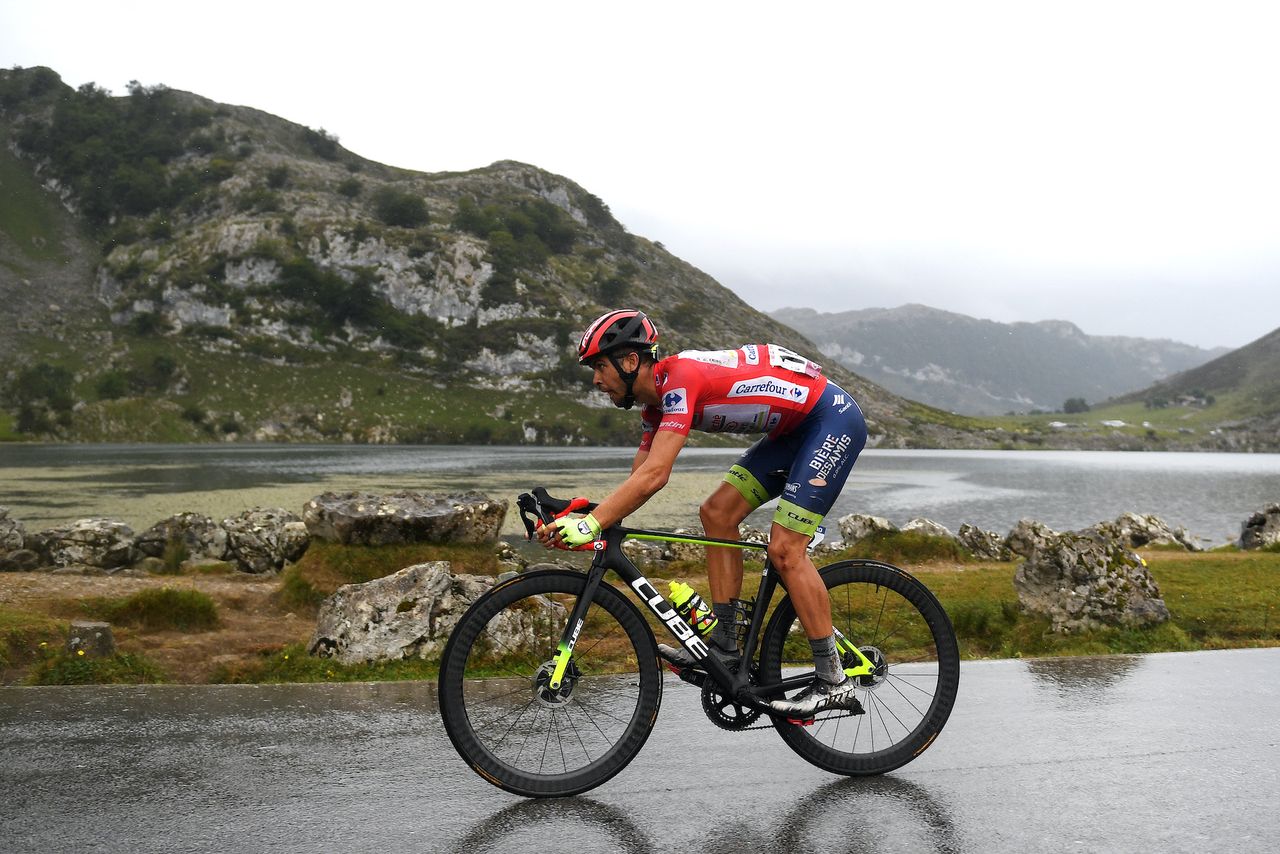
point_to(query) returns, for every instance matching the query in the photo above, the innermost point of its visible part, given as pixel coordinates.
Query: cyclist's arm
(650, 472)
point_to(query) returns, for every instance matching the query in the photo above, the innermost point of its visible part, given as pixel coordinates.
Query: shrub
(112, 386)
(322, 143)
(113, 153)
(158, 609)
(907, 547)
(278, 177)
(70, 669)
(396, 207)
(350, 187)
(44, 384)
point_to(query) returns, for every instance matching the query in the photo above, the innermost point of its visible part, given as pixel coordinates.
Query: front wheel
(902, 628)
(499, 710)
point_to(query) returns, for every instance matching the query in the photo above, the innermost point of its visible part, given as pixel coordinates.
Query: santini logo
(769, 387)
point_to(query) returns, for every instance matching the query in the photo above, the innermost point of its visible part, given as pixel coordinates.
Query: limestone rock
(200, 536)
(1262, 529)
(857, 526)
(93, 639)
(100, 543)
(929, 528)
(1082, 583)
(1028, 536)
(1136, 530)
(984, 545)
(364, 518)
(22, 560)
(262, 540)
(409, 614)
(12, 534)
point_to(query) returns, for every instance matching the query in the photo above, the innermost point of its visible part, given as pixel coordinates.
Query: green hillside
(183, 270)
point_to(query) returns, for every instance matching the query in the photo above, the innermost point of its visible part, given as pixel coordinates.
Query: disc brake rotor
(555, 697)
(880, 665)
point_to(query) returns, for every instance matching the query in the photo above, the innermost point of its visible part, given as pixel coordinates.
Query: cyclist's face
(604, 376)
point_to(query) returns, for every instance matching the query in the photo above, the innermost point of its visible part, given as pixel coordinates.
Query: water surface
(1209, 494)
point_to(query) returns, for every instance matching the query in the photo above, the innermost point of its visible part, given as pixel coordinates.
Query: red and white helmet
(620, 329)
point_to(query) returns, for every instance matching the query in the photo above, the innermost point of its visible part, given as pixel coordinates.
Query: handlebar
(547, 509)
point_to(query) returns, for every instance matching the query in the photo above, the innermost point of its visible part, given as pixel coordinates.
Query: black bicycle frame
(736, 685)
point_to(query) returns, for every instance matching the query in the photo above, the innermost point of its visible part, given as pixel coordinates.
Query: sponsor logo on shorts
(792, 488)
(830, 457)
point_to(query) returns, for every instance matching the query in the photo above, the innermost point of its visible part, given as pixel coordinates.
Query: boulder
(22, 560)
(1028, 536)
(92, 639)
(984, 545)
(200, 536)
(363, 518)
(929, 528)
(1135, 531)
(262, 540)
(857, 526)
(13, 535)
(409, 614)
(99, 543)
(1082, 583)
(1262, 529)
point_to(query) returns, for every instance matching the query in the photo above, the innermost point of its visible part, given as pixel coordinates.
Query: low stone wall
(261, 540)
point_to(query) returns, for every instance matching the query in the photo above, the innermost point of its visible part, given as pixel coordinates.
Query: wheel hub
(550, 697)
(880, 671)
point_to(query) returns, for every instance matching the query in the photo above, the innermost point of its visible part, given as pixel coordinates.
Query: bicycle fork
(573, 627)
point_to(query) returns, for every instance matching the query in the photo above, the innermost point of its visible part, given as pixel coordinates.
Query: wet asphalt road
(1162, 753)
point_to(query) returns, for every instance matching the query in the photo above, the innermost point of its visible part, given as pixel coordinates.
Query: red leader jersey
(758, 388)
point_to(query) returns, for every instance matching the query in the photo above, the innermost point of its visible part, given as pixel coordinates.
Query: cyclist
(813, 430)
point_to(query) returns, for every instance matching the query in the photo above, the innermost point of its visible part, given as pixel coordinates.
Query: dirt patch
(250, 620)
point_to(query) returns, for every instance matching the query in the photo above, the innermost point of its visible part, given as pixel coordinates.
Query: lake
(1209, 494)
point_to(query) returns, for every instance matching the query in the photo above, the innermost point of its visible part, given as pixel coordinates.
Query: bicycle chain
(717, 718)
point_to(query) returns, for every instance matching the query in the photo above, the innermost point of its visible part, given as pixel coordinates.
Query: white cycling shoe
(821, 696)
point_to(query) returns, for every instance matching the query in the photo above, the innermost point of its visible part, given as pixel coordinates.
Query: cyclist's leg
(829, 442)
(721, 514)
(789, 554)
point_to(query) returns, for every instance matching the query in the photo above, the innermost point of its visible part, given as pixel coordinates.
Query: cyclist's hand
(570, 533)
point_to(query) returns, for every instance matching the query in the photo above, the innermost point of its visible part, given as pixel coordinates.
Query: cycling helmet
(623, 328)
(616, 331)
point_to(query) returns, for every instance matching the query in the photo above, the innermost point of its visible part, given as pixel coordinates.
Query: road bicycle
(551, 681)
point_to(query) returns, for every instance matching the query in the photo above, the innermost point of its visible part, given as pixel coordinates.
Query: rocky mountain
(981, 367)
(174, 269)
(1234, 399)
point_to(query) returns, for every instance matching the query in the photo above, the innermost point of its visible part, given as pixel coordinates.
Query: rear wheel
(498, 707)
(902, 628)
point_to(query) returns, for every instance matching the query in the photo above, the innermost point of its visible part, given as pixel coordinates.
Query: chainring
(723, 712)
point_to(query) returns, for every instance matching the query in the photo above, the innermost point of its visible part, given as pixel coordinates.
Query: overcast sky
(1115, 164)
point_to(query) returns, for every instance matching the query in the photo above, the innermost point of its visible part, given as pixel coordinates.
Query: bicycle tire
(876, 606)
(509, 726)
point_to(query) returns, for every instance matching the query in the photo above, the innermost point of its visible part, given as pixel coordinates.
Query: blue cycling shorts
(806, 468)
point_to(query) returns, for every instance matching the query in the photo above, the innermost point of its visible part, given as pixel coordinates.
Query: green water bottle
(693, 608)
